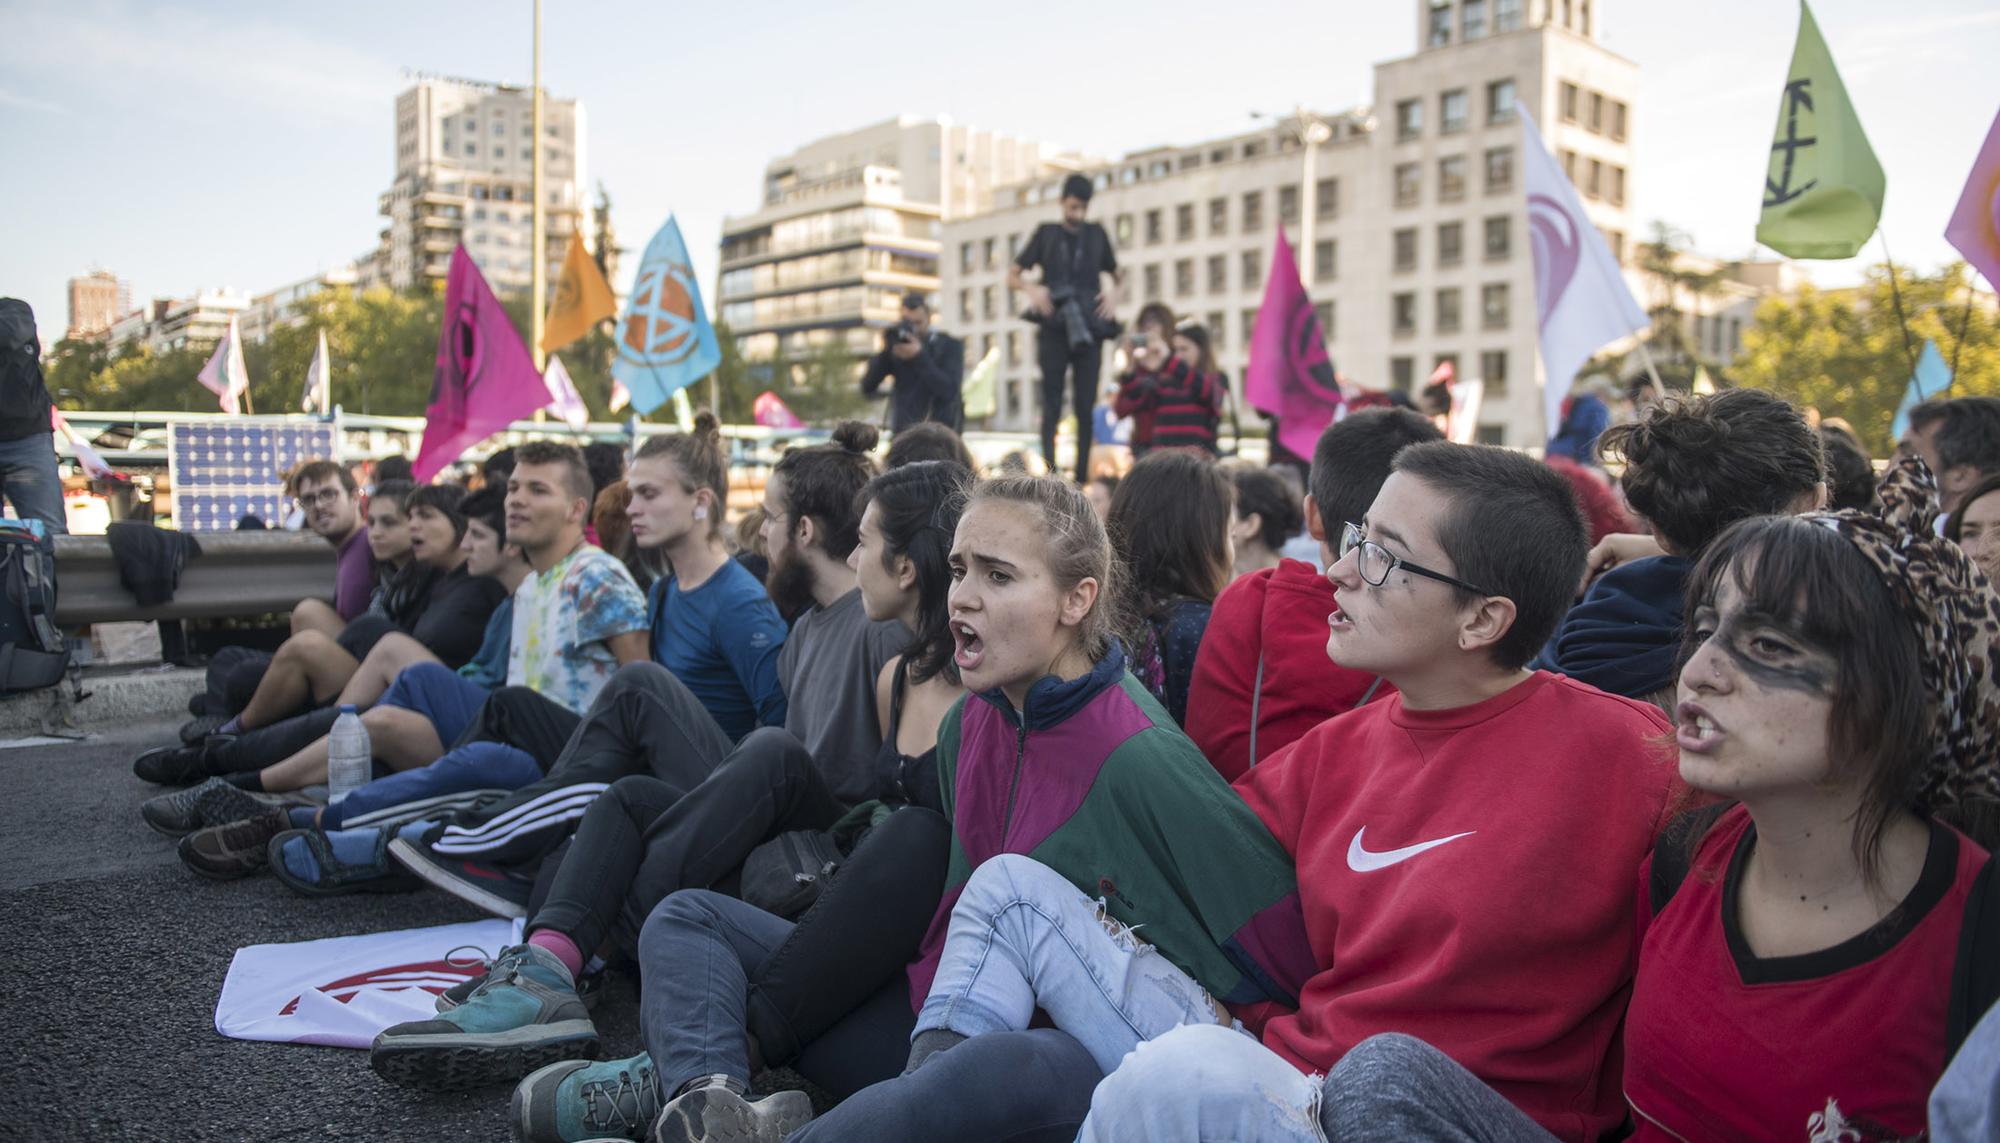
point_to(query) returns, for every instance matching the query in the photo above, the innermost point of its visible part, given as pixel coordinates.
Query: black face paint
(1783, 663)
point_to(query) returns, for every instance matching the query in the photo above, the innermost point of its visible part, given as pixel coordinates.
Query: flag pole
(1964, 320)
(1896, 295)
(1646, 356)
(539, 280)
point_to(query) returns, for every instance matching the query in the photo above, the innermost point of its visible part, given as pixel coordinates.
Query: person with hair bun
(1692, 468)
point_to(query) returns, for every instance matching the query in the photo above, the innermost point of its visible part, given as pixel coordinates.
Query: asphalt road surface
(116, 957)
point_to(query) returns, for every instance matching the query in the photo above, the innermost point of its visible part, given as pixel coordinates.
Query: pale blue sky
(231, 143)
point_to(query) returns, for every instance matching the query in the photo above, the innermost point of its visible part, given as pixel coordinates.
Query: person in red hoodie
(1262, 677)
(1465, 848)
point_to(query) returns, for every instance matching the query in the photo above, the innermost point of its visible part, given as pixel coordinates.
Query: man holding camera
(928, 368)
(1076, 313)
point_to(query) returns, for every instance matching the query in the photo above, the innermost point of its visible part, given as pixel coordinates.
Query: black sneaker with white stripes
(501, 892)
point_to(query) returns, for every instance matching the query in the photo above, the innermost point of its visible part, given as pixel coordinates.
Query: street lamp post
(1310, 130)
(538, 287)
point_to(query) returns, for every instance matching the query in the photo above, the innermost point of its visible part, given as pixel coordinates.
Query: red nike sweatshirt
(1466, 877)
(1278, 615)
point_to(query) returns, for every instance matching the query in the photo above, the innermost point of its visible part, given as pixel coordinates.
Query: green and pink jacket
(1093, 779)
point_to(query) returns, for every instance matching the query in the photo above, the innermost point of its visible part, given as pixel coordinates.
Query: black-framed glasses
(323, 496)
(1376, 562)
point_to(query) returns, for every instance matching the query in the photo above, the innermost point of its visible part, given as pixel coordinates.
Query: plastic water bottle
(349, 761)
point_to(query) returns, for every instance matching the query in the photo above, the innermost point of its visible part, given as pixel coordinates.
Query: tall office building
(849, 223)
(1420, 249)
(96, 300)
(464, 156)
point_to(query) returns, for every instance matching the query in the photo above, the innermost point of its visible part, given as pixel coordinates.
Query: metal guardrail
(238, 573)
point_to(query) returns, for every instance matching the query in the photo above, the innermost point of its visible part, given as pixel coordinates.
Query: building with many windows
(464, 165)
(287, 305)
(1420, 250)
(96, 300)
(850, 223)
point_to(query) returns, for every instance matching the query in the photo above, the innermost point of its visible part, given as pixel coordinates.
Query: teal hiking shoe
(575, 1100)
(525, 1014)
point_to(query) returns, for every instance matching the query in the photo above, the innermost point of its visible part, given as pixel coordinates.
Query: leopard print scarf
(1957, 617)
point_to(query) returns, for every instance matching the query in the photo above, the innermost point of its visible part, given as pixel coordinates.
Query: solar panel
(223, 471)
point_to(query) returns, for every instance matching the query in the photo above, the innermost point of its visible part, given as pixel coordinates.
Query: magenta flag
(1975, 225)
(485, 379)
(772, 412)
(1289, 374)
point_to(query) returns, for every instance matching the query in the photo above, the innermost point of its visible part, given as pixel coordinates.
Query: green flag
(1823, 191)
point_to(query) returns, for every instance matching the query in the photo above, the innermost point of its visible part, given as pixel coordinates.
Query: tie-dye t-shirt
(562, 619)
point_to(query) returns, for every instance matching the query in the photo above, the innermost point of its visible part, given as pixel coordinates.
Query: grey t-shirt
(828, 669)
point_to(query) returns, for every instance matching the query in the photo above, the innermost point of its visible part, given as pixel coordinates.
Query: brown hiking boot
(238, 849)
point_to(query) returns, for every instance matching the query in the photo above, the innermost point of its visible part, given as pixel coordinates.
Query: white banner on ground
(340, 992)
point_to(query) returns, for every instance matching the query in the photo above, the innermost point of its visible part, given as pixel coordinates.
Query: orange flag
(583, 299)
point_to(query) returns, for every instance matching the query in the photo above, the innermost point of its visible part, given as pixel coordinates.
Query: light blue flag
(664, 340)
(1931, 378)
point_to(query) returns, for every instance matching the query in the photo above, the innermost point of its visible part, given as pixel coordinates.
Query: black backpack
(33, 651)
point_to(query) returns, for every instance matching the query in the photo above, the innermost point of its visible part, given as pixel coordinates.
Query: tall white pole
(538, 288)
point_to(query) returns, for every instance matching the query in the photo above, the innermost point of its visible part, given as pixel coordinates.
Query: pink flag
(1975, 226)
(93, 464)
(224, 374)
(1289, 374)
(772, 412)
(620, 395)
(485, 379)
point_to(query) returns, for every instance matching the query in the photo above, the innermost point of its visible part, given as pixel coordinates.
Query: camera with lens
(902, 333)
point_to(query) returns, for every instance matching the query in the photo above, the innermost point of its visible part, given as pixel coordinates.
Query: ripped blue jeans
(1022, 937)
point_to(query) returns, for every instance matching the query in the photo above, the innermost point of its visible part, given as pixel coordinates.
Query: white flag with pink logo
(1581, 300)
(342, 991)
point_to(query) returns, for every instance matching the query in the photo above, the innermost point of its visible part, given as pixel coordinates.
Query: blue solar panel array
(223, 471)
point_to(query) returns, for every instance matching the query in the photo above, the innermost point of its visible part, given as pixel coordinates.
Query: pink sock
(564, 949)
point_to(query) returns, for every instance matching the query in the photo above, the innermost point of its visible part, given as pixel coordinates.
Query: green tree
(824, 388)
(1664, 260)
(1843, 352)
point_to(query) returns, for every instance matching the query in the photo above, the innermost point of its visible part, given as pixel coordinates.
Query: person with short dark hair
(925, 368)
(396, 467)
(1959, 439)
(1266, 516)
(1074, 310)
(928, 440)
(1850, 475)
(1692, 467)
(1439, 833)
(497, 468)
(606, 462)
(1262, 677)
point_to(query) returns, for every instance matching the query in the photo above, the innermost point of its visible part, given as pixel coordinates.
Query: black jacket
(929, 386)
(24, 398)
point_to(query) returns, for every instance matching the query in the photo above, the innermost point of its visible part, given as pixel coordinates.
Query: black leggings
(643, 838)
(1057, 358)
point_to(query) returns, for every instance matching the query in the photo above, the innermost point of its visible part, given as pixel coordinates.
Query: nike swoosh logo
(1360, 860)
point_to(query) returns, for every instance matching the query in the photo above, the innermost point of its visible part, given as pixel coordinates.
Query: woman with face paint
(1813, 947)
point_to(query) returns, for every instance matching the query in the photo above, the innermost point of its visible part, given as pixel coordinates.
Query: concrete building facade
(1420, 250)
(464, 158)
(286, 305)
(850, 223)
(96, 300)
(196, 322)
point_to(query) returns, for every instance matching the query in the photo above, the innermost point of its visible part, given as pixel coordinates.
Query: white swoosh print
(1360, 860)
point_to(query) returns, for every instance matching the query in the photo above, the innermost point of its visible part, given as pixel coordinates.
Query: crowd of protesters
(999, 807)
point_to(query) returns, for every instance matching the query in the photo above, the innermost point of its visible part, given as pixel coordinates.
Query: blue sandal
(336, 878)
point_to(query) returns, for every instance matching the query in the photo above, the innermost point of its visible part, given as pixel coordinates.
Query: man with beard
(647, 722)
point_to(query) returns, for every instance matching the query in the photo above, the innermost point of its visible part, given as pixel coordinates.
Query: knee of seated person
(1186, 1063)
(1386, 1065)
(1012, 877)
(681, 909)
(644, 675)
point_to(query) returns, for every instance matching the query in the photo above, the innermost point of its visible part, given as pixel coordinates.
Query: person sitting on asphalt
(648, 722)
(1262, 677)
(1691, 468)
(641, 842)
(576, 620)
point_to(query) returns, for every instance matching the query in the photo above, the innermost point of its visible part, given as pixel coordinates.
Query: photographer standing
(928, 368)
(1074, 311)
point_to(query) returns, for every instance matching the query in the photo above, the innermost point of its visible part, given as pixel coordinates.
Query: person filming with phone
(1172, 403)
(927, 369)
